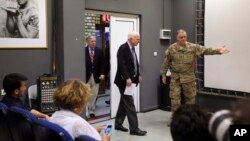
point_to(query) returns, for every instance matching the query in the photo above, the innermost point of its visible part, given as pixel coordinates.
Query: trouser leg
(94, 89)
(189, 90)
(126, 107)
(175, 94)
(131, 112)
(121, 114)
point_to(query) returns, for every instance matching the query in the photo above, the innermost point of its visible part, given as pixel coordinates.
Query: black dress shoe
(121, 128)
(138, 132)
(92, 115)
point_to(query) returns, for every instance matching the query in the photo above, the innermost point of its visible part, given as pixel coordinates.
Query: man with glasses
(180, 59)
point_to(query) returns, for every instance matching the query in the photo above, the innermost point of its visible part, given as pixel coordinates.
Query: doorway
(110, 30)
(121, 25)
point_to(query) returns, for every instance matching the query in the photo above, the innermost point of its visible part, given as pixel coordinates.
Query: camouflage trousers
(189, 91)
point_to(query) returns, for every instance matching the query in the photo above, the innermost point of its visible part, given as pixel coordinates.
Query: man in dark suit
(95, 70)
(128, 73)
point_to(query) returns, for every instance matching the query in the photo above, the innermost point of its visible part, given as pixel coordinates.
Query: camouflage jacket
(181, 60)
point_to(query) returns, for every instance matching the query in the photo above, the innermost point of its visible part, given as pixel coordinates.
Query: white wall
(227, 23)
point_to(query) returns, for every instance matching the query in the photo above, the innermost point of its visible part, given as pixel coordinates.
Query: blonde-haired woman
(72, 96)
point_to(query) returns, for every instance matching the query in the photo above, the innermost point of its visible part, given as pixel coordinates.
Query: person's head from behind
(134, 38)
(190, 123)
(72, 95)
(15, 84)
(91, 41)
(181, 37)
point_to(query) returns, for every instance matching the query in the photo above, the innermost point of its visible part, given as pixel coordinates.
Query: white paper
(168, 73)
(130, 90)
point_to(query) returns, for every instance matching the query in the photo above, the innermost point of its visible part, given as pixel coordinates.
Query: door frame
(114, 96)
(118, 37)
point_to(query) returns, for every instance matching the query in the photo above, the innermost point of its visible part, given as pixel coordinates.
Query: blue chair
(3, 106)
(5, 134)
(48, 131)
(84, 138)
(19, 121)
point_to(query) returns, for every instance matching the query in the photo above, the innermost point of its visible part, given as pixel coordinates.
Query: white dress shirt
(74, 124)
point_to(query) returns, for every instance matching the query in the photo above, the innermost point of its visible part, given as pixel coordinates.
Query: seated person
(190, 123)
(15, 85)
(72, 96)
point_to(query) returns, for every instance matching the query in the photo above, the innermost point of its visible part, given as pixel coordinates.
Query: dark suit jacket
(125, 66)
(98, 66)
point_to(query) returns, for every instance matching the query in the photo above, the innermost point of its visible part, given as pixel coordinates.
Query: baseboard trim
(144, 110)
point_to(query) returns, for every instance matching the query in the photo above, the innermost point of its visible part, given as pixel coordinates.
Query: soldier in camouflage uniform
(180, 59)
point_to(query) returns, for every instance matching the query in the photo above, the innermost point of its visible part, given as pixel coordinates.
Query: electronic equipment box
(46, 85)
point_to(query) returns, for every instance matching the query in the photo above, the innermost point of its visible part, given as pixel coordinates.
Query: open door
(120, 26)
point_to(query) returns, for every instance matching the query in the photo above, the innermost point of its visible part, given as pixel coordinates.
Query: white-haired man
(128, 73)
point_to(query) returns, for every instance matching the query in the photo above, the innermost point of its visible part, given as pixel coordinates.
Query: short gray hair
(181, 31)
(90, 37)
(132, 34)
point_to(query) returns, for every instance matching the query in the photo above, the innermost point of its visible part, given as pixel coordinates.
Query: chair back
(32, 93)
(84, 138)
(5, 134)
(48, 131)
(19, 121)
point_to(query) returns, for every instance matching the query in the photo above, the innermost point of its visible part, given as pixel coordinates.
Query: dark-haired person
(190, 123)
(15, 86)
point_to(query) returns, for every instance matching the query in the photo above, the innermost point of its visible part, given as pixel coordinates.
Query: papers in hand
(168, 73)
(130, 90)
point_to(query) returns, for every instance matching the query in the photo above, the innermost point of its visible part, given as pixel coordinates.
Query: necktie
(134, 60)
(92, 55)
